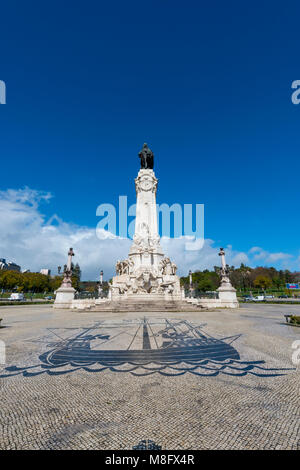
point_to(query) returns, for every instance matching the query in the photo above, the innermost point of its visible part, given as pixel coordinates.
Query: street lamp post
(100, 288)
(191, 283)
(227, 293)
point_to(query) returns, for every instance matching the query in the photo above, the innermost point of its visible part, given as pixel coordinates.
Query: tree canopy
(34, 282)
(243, 277)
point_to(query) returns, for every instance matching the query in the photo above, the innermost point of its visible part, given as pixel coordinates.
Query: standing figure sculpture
(147, 158)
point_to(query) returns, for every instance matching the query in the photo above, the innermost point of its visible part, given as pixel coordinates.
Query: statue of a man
(147, 158)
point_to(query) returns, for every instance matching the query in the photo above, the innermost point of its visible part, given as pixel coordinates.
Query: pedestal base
(146, 287)
(227, 296)
(64, 297)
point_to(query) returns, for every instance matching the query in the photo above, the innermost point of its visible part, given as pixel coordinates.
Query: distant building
(45, 271)
(8, 266)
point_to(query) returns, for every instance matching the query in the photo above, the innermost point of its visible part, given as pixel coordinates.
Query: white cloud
(30, 240)
(254, 249)
(274, 257)
(261, 254)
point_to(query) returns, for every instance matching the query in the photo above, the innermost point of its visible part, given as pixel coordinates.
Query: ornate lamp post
(100, 288)
(224, 268)
(226, 291)
(191, 288)
(67, 280)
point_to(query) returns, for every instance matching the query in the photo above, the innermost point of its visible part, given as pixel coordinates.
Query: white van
(17, 297)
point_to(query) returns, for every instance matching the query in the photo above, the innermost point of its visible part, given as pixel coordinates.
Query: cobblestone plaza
(199, 380)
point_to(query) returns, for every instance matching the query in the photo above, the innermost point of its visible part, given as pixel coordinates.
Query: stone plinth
(64, 297)
(227, 295)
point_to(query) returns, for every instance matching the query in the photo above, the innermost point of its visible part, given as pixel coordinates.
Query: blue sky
(208, 86)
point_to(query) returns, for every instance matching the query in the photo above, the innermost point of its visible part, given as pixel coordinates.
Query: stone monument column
(146, 274)
(66, 293)
(146, 249)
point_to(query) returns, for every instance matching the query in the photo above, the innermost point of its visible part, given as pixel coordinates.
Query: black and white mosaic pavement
(207, 380)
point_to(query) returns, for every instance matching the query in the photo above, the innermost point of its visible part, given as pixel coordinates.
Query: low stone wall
(82, 304)
(213, 303)
(86, 304)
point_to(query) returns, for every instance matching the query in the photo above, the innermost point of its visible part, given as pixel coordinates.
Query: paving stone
(236, 403)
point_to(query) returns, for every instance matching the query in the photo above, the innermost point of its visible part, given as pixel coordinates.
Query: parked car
(247, 298)
(259, 298)
(48, 297)
(16, 296)
(283, 296)
(269, 297)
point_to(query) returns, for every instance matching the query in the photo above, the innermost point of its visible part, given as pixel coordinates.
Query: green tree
(277, 282)
(76, 275)
(55, 283)
(263, 282)
(77, 271)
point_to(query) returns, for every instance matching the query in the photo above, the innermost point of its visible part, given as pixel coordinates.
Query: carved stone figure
(167, 286)
(118, 267)
(142, 242)
(124, 267)
(174, 268)
(130, 264)
(147, 157)
(167, 268)
(161, 266)
(146, 282)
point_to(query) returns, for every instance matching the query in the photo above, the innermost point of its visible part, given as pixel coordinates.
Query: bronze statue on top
(147, 158)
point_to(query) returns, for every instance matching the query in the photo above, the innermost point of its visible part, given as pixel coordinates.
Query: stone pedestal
(64, 297)
(227, 295)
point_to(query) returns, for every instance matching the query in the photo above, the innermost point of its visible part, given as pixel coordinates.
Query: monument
(146, 280)
(146, 275)
(66, 293)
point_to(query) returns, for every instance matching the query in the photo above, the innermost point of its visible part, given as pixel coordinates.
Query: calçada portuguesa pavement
(199, 380)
